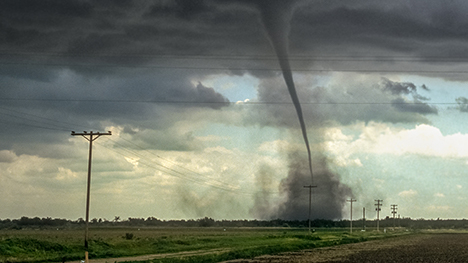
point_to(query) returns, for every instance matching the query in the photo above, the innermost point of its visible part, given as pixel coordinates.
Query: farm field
(435, 246)
(209, 244)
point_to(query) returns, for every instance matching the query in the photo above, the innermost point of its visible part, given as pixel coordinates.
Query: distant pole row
(378, 204)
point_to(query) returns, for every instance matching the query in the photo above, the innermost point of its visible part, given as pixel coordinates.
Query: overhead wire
(147, 162)
(219, 102)
(149, 60)
(124, 151)
(299, 57)
(142, 159)
(198, 67)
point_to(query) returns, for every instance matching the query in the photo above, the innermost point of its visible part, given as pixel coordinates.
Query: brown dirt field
(448, 247)
(434, 247)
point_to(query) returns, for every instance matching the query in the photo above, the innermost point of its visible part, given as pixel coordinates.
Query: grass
(57, 245)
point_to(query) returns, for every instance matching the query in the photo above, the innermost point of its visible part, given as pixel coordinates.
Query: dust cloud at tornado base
(328, 199)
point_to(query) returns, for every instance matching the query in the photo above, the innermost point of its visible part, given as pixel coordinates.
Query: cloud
(462, 104)
(408, 193)
(345, 98)
(7, 156)
(415, 106)
(423, 140)
(398, 88)
(138, 68)
(440, 195)
(77, 35)
(439, 208)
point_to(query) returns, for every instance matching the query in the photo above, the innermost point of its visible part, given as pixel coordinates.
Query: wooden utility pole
(364, 218)
(310, 199)
(394, 208)
(379, 203)
(351, 216)
(90, 136)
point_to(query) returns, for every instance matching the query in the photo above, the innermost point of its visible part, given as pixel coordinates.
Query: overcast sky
(201, 119)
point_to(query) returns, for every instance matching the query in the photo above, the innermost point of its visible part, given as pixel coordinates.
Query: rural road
(156, 256)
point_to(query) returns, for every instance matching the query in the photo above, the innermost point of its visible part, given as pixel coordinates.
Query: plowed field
(444, 247)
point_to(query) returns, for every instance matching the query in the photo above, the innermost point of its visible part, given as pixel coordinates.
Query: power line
(88, 65)
(204, 182)
(173, 172)
(394, 208)
(351, 200)
(310, 200)
(302, 57)
(219, 102)
(378, 205)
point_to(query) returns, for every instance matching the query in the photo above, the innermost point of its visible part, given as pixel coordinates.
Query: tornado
(276, 16)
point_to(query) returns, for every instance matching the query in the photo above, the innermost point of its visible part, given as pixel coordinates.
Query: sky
(202, 121)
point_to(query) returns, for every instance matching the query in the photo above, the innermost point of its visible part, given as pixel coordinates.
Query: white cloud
(439, 208)
(439, 195)
(275, 146)
(408, 193)
(340, 161)
(459, 186)
(379, 138)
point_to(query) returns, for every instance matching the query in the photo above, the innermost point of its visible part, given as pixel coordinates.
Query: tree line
(36, 222)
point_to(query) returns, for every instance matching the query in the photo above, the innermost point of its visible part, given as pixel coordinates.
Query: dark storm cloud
(370, 22)
(345, 101)
(138, 32)
(462, 104)
(149, 102)
(408, 88)
(415, 106)
(144, 50)
(398, 88)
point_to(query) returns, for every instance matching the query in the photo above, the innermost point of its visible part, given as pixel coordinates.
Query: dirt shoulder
(157, 256)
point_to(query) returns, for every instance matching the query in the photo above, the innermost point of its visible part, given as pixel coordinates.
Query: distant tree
(206, 222)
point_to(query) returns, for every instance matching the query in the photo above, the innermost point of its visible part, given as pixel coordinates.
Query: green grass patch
(58, 245)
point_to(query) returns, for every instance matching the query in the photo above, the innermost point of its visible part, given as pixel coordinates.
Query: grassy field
(67, 244)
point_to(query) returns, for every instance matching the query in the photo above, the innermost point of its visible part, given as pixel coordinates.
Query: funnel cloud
(276, 16)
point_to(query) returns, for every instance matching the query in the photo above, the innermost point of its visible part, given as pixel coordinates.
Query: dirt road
(156, 256)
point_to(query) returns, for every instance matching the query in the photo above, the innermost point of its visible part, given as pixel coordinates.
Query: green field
(220, 243)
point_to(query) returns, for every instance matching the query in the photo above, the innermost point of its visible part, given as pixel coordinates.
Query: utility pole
(90, 136)
(364, 218)
(394, 208)
(310, 199)
(379, 203)
(351, 216)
